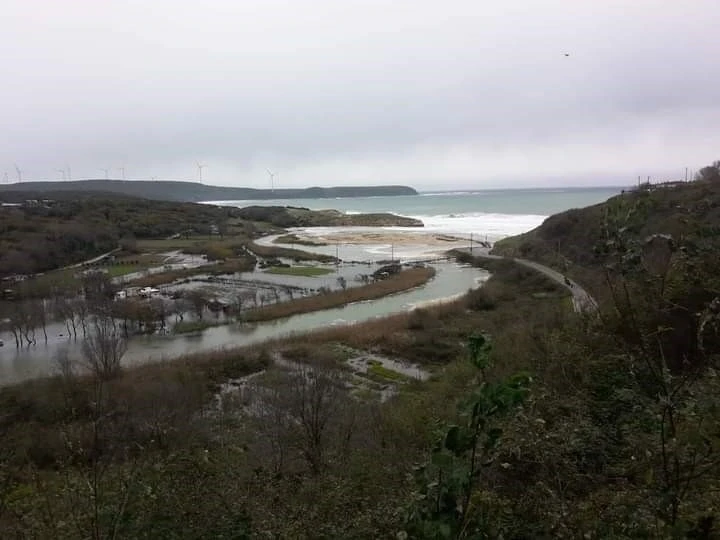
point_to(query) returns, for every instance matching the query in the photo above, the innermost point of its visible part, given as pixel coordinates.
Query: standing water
(37, 361)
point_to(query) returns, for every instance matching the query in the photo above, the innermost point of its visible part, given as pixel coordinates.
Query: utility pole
(471, 242)
(686, 176)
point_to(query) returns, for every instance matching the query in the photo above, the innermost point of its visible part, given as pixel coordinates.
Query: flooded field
(18, 364)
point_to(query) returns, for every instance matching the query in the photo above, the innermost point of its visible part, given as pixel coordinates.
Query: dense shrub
(480, 300)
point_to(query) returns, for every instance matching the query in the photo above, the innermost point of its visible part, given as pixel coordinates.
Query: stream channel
(451, 280)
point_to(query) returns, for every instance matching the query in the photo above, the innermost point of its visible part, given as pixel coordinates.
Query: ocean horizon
(494, 213)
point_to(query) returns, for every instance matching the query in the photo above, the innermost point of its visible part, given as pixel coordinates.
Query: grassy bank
(295, 239)
(306, 271)
(270, 252)
(230, 266)
(403, 281)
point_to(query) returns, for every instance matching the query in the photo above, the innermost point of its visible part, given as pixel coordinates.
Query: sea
(493, 214)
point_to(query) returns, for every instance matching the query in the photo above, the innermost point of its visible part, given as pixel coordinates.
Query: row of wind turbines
(66, 174)
(6, 178)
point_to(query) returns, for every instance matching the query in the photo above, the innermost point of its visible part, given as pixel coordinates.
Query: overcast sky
(434, 94)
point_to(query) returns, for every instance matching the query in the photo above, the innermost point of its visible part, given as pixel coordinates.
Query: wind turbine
(272, 179)
(200, 167)
(69, 176)
(19, 173)
(106, 172)
(61, 171)
(121, 170)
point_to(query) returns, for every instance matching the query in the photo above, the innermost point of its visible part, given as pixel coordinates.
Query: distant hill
(291, 216)
(195, 192)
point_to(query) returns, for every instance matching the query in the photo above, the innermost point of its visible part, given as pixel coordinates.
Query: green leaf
(445, 530)
(452, 439)
(441, 459)
(479, 347)
(492, 438)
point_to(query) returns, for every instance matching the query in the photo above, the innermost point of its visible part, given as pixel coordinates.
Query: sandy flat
(398, 238)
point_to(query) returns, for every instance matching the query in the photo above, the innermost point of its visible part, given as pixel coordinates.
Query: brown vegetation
(163, 417)
(295, 239)
(288, 253)
(230, 266)
(402, 281)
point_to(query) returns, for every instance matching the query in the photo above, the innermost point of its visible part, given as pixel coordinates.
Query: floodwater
(37, 361)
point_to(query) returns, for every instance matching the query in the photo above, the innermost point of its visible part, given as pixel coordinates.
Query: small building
(149, 292)
(386, 271)
(94, 271)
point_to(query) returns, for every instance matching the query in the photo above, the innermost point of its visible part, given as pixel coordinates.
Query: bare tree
(22, 322)
(182, 306)
(103, 348)
(63, 308)
(39, 311)
(160, 310)
(198, 301)
(271, 406)
(316, 394)
(81, 312)
(98, 289)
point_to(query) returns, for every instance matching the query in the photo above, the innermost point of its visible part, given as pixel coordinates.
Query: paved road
(582, 301)
(91, 261)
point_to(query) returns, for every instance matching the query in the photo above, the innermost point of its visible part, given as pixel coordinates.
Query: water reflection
(19, 364)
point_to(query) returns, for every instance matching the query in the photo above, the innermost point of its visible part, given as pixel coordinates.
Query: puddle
(251, 396)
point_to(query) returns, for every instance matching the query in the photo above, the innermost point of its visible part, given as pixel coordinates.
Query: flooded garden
(205, 311)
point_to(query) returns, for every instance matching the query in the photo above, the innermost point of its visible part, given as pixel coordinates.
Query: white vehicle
(149, 292)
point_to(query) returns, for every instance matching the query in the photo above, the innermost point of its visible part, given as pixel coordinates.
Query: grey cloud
(428, 93)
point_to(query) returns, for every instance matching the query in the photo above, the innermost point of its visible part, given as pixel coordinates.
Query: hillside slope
(572, 241)
(196, 192)
(69, 226)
